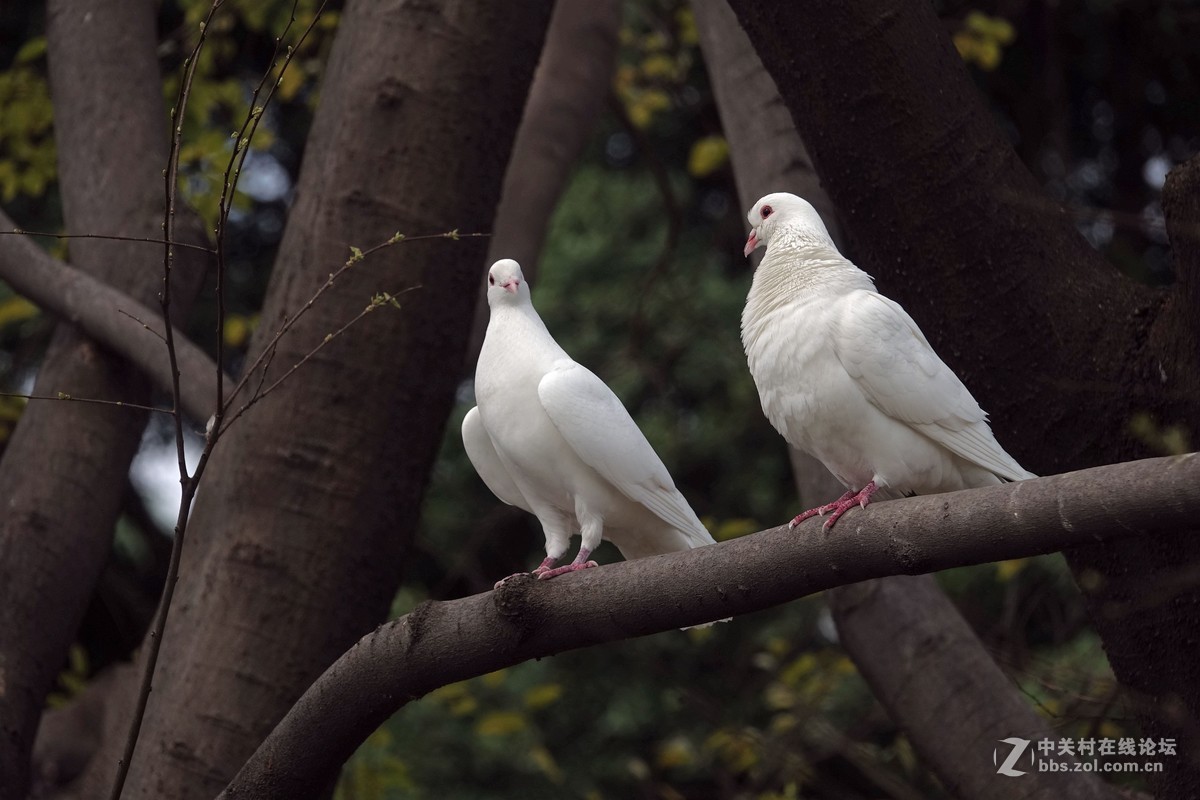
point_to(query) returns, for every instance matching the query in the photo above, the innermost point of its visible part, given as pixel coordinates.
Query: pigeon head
(783, 211)
(506, 283)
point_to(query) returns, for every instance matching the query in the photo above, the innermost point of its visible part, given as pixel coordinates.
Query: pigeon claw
(838, 507)
(547, 574)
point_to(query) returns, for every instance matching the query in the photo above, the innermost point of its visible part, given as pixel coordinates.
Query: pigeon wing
(487, 463)
(598, 428)
(882, 348)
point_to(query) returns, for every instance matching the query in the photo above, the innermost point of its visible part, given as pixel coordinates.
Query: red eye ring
(765, 212)
(491, 280)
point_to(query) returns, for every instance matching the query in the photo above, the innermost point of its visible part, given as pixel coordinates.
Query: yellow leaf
(463, 706)
(544, 761)
(494, 679)
(31, 51)
(965, 43)
(292, 81)
(236, 330)
(542, 696)
(779, 697)
(1007, 570)
(658, 65)
(16, 309)
(500, 723)
(988, 55)
(686, 20)
(782, 723)
(675, 752)
(798, 669)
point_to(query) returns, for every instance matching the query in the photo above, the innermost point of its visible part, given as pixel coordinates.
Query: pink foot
(838, 507)
(544, 573)
(572, 567)
(541, 568)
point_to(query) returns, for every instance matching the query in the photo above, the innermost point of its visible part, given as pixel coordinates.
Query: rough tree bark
(64, 470)
(942, 212)
(894, 617)
(300, 530)
(568, 93)
(439, 643)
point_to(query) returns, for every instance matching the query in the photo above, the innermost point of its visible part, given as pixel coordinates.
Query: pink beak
(751, 243)
(511, 285)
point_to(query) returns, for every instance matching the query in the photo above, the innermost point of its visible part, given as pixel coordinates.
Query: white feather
(549, 436)
(846, 375)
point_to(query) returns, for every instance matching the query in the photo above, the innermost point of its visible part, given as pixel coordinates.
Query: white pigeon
(845, 375)
(550, 437)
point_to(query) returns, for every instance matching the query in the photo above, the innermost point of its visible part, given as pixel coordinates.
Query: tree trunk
(301, 527)
(1061, 349)
(928, 668)
(568, 93)
(768, 156)
(64, 470)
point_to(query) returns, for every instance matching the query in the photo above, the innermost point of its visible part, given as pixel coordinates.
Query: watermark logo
(1079, 755)
(1018, 748)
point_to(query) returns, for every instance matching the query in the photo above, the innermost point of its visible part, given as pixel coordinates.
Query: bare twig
(233, 171)
(69, 398)
(145, 239)
(187, 483)
(125, 313)
(357, 255)
(383, 298)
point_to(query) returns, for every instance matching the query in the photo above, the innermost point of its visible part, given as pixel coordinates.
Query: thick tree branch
(111, 317)
(439, 643)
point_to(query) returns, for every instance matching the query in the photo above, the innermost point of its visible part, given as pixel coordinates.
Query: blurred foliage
(982, 39)
(642, 280)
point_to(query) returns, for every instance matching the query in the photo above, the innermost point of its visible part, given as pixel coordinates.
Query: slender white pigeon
(845, 375)
(550, 437)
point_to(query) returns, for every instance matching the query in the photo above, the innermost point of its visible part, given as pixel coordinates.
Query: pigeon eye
(491, 280)
(765, 212)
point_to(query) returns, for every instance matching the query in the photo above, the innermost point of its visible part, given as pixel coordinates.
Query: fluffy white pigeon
(845, 375)
(550, 437)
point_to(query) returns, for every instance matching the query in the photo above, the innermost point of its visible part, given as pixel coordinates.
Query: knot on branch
(514, 601)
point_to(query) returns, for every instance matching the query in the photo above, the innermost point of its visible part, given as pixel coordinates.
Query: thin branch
(125, 313)
(440, 643)
(145, 239)
(187, 483)
(357, 255)
(383, 298)
(69, 398)
(233, 172)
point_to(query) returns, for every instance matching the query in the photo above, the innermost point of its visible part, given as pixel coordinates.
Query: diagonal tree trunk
(64, 470)
(903, 629)
(301, 527)
(929, 669)
(1052, 340)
